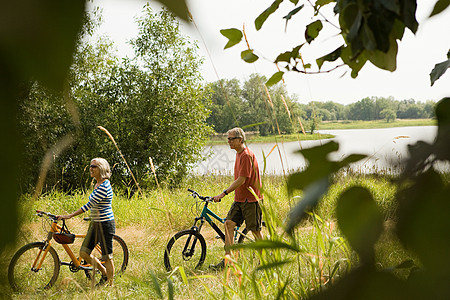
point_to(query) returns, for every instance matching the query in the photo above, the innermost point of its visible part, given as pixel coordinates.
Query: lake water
(385, 147)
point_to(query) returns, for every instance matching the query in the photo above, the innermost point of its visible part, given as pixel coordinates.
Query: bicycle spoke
(186, 249)
(21, 275)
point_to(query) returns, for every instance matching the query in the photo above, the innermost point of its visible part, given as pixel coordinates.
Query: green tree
(362, 110)
(429, 108)
(383, 104)
(151, 104)
(256, 105)
(388, 114)
(226, 105)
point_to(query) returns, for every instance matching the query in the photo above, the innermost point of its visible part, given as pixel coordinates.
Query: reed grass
(314, 256)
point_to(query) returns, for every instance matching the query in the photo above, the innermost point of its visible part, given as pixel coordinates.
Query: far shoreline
(219, 138)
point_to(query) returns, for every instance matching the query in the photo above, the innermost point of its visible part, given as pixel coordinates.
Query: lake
(386, 148)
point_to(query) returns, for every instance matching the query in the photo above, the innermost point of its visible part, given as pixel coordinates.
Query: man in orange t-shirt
(246, 185)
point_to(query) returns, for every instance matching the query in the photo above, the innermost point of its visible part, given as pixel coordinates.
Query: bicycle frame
(205, 216)
(76, 261)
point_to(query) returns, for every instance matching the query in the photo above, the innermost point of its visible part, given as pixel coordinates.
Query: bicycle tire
(23, 279)
(182, 242)
(120, 257)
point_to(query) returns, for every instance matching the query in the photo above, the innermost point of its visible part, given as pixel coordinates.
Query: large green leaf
(293, 12)
(351, 159)
(288, 55)
(178, 7)
(313, 30)
(360, 220)
(38, 38)
(408, 14)
(393, 6)
(355, 63)
(233, 35)
(320, 3)
(259, 21)
(350, 20)
(267, 244)
(439, 70)
(385, 61)
(275, 78)
(330, 56)
(314, 181)
(368, 38)
(440, 6)
(311, 196)
(318, 156)
(423, 220)
(248, 56)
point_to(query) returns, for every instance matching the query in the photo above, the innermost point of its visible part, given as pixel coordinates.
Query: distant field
(222, 139)
(255, 138)
(376, 124)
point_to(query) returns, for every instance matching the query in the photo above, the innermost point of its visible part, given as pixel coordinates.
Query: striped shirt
(100, 202)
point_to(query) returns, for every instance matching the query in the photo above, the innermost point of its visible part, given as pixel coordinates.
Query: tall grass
(306, 262)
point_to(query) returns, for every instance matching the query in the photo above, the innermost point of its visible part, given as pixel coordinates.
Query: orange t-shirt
(247, 166)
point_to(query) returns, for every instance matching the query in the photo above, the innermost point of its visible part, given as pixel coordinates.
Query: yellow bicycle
(37, 265)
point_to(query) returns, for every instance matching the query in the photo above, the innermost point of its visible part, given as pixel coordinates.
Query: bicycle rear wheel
(185, 249)
(120, 256)
(24, 277)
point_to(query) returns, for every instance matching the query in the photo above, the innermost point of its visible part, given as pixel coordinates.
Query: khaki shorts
(250, 212)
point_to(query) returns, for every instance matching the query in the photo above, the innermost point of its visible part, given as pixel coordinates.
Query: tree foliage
(151, 104)
(250, 106)
(234, 103)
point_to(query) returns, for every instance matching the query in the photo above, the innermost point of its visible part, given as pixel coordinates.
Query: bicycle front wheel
(185, 249)
(24, 273)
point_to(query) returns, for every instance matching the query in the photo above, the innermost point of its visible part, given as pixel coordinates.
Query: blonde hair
(103, 165)
(237, 132)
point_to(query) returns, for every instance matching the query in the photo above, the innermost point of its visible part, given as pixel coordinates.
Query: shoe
(219, 266)
(102, 281)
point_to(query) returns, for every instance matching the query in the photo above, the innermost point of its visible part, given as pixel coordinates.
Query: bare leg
(109, 266)
(90, 259)
(229, 231)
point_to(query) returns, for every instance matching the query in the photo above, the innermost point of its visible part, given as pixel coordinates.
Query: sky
(416, 57)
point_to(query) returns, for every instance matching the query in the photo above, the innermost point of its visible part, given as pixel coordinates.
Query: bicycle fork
(39, 260)
(189, 248)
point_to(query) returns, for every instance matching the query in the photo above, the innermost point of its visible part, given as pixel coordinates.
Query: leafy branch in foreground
(370, 31)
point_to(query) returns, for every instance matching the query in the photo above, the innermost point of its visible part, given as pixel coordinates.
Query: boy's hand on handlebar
(63, 217)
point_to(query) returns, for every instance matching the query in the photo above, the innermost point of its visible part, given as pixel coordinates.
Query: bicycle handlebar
(204, 198)
(40, 213)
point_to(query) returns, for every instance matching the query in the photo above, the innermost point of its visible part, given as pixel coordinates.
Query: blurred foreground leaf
(360, 220)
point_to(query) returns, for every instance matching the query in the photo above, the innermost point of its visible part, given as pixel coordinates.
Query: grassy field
(376, 124)
(254, 138)
(222, 139)
(147, 222)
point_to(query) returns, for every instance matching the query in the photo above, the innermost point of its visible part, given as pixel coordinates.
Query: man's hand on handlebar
(218, 198)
